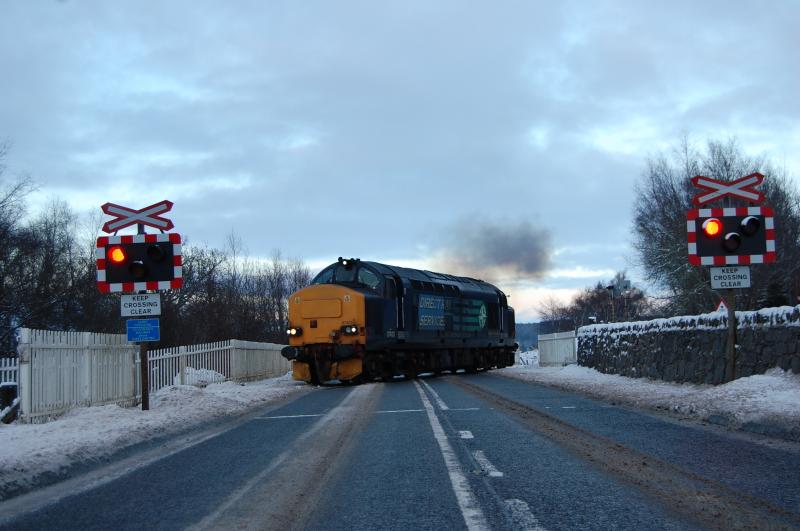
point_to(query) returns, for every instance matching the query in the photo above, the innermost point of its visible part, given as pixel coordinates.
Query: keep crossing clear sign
(141, 305)
(730, 277)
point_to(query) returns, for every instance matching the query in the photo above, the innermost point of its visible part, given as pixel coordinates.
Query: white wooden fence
(8, 370)
(61, 370)
(556, 350)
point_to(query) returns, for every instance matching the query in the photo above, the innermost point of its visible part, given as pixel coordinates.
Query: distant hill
(527, 335)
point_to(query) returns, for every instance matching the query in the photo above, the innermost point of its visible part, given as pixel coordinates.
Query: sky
(501, 139)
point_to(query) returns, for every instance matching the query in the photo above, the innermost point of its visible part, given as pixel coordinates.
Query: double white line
(517, 510)
(470, 510)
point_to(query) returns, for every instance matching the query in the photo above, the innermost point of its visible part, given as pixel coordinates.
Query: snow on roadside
(199, 377)
(767, 399)
(529, 358)
(29, 451)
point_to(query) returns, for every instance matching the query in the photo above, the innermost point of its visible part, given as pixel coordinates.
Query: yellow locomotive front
(326, 333)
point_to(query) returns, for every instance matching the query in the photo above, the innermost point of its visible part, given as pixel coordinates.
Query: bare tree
(664, 197)
(48, 280)
(611, 301)
(552, 309)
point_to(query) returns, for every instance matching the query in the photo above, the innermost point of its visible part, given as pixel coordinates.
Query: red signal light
(712, 227)
(117, 255)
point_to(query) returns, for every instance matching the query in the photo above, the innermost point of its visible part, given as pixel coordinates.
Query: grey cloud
(419, 111)
(492, 250)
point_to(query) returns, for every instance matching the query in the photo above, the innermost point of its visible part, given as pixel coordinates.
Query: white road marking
(400, 411)
(439, 401)
(465, 409)
(465, 435)
(486, 465)
(470, 510)
(289, 417)
(522, 516)
(569, 407)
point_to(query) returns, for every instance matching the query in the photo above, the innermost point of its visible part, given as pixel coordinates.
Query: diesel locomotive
(362, 320)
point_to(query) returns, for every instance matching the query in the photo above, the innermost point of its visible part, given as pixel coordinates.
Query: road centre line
(467, 503)
(439, 401)
(486, 465)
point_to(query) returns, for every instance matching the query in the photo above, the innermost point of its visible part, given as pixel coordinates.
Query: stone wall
(692, 348)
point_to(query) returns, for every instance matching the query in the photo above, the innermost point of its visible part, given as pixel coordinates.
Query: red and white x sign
(125, 217)
(743, 188)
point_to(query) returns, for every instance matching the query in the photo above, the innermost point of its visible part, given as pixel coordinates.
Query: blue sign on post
(141, 330)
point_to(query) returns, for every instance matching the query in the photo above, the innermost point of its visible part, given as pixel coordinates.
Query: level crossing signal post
(730, 240)
(141, 264)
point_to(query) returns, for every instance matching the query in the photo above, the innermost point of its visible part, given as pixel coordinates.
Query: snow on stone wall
(692, 348)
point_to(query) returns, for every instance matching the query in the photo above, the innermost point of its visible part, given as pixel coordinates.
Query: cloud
(493, 250)
(351, 129)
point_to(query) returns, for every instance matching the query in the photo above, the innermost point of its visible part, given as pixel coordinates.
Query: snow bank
(529, 358)
(780, 316)
(765, 403)
(198, 377)
(30, 451)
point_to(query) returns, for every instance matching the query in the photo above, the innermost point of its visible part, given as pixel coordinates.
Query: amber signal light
(712, 227)
(117, 255)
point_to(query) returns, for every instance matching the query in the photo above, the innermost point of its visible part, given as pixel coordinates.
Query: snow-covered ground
(28, 451)
(768, 403)
(529, 358)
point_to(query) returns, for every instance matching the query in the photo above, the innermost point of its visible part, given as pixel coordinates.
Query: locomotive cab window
(325, 277)
(368, 278)
(350, 275)
(345, 274)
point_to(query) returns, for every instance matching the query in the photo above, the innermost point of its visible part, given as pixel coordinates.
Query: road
(456, 452)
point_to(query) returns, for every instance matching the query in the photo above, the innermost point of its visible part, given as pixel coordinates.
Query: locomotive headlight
(294, 332)
(350, 330)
